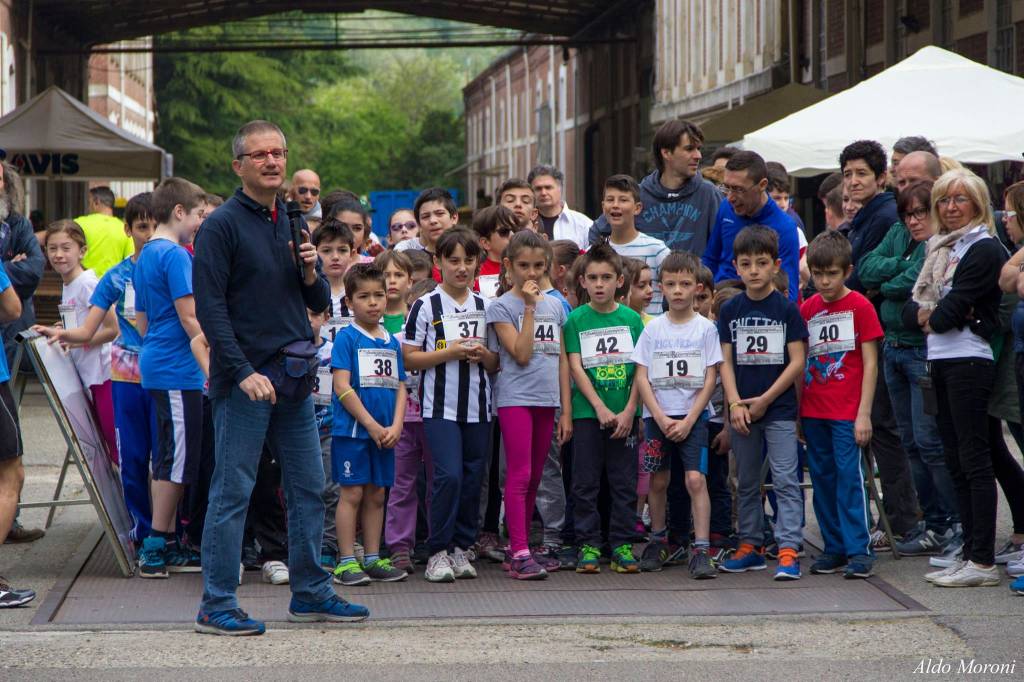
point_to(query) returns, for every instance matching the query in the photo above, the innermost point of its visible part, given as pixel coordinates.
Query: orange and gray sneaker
(789, 565)
(746, 558)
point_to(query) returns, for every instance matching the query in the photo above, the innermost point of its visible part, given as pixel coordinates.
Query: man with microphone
(253, 283)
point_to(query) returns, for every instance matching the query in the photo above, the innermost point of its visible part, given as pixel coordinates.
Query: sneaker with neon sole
(623, 560)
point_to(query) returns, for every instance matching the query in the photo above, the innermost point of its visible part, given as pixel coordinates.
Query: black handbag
(293, 371)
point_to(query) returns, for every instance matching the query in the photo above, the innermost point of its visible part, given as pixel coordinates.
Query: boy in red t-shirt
(835, 410)
(494, 226)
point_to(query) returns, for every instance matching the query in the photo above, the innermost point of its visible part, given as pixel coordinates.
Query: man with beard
(23, 262)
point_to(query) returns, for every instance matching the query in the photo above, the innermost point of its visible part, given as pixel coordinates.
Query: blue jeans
(833, 457)
(459, 450)
(240, 427)
(919, 434)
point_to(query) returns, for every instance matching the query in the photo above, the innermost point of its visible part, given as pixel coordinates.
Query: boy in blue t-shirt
(369, 407)
(166, 318)
(763, 338)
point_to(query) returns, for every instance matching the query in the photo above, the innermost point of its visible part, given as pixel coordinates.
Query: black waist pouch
(929, 398)
(293, 371)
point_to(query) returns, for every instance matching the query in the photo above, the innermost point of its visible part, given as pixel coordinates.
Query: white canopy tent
(970, 111)
(53, 136)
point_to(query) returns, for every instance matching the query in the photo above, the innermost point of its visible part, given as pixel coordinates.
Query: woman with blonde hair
(956, 302)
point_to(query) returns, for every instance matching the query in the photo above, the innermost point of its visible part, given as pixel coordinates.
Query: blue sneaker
(789, 565)
(746, 558)
(1017, 586)
(232, 623)
(859, 567)
(152, 563)
(183, 560)
(333, 610)
(828, 563)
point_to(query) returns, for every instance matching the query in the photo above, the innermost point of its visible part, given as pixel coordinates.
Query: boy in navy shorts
(369, 408)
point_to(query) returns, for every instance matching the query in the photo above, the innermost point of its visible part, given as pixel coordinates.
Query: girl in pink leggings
(525, 329)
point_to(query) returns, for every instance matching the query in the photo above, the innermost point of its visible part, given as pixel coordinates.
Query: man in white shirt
(557, 220)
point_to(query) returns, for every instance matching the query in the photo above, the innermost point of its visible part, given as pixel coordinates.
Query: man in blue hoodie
(746, 183)
(863, 165)
(679, 205)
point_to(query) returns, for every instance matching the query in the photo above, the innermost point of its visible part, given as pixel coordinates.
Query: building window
(544, 133)
(1004, 36)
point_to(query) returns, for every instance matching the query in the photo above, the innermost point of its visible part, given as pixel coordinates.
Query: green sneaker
(382, 571)
(588, 560)
(350, 574)
(623, 560)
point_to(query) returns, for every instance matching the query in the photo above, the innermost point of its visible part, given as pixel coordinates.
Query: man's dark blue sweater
(250, 300)
(868, 229)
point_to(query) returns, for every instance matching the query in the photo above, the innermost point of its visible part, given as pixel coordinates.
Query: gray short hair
(251, 128)
(546, 169)
(914, 143)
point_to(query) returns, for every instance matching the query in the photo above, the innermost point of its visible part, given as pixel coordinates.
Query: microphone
(295, 221)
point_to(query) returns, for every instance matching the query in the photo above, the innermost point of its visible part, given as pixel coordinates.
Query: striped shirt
(651, 251)
(457, 390)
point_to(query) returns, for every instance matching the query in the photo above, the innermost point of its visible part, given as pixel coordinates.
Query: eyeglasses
(410, 225)
(733, 189)
(917, 214)
(959, 200)
(261, 157)
(314, 191)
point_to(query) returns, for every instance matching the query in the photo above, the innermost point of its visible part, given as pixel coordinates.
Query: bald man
(306, 190)
(917, 166)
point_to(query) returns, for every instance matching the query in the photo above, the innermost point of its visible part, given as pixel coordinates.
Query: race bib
(764, 345)
(378, 367)
(489, 285)
(334, 325)
(323, 386)
(831, 334)
(607, 346)
(68, 315)
(129, 301)
(547, 334)
(677, 369)
(470, 326)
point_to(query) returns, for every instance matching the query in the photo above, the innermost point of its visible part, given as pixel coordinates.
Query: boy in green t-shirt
(599, 338)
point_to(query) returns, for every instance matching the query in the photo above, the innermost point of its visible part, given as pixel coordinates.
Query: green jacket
(891, 270)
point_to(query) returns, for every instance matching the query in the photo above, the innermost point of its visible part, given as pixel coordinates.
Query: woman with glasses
(956, 302)
(892, 268)
(402, 225)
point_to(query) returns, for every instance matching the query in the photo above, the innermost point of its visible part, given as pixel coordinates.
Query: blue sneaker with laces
(859, 567)
(231, 622)
(152, 563)
(746, 558)
(828, 563)
(332, 610)
(1017, 586)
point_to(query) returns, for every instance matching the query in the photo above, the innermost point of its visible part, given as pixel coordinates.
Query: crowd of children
(618, 393)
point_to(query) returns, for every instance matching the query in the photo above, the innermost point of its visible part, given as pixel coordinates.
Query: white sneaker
(1015, 569)
(954, 553)
(275, 573)
(1010, 552)
(949, 570)
(971, 575)
(461, 566)
(439, 569)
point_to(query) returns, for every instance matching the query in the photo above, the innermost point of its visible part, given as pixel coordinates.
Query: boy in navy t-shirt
(165, 315)
(369, 408)
(763, 351)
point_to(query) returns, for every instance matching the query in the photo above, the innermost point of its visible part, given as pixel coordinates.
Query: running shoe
(1010, 551)
(350, 574)
(827, 564)
(180, 559)
(151, 558)
(588, 560)
(275, 573)
(547, 557)
(525, 568)
(880, 541)
(232, 622)
(923, 542)
(942, 573)
(461, 566)
(11, 597)
(623, 560)
(701, 566)
(953, 553)
(439, 569)
(654, 556)
(402, 561)
(859, 567)
(566, 556)
(721, 546)
(746, 558)
(789, 565)
(678, 553)
(1015, 568)
(970, 575)
(383, 571)
(334, 609)
(250, 558)
(1017, 586)
(20, 534)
